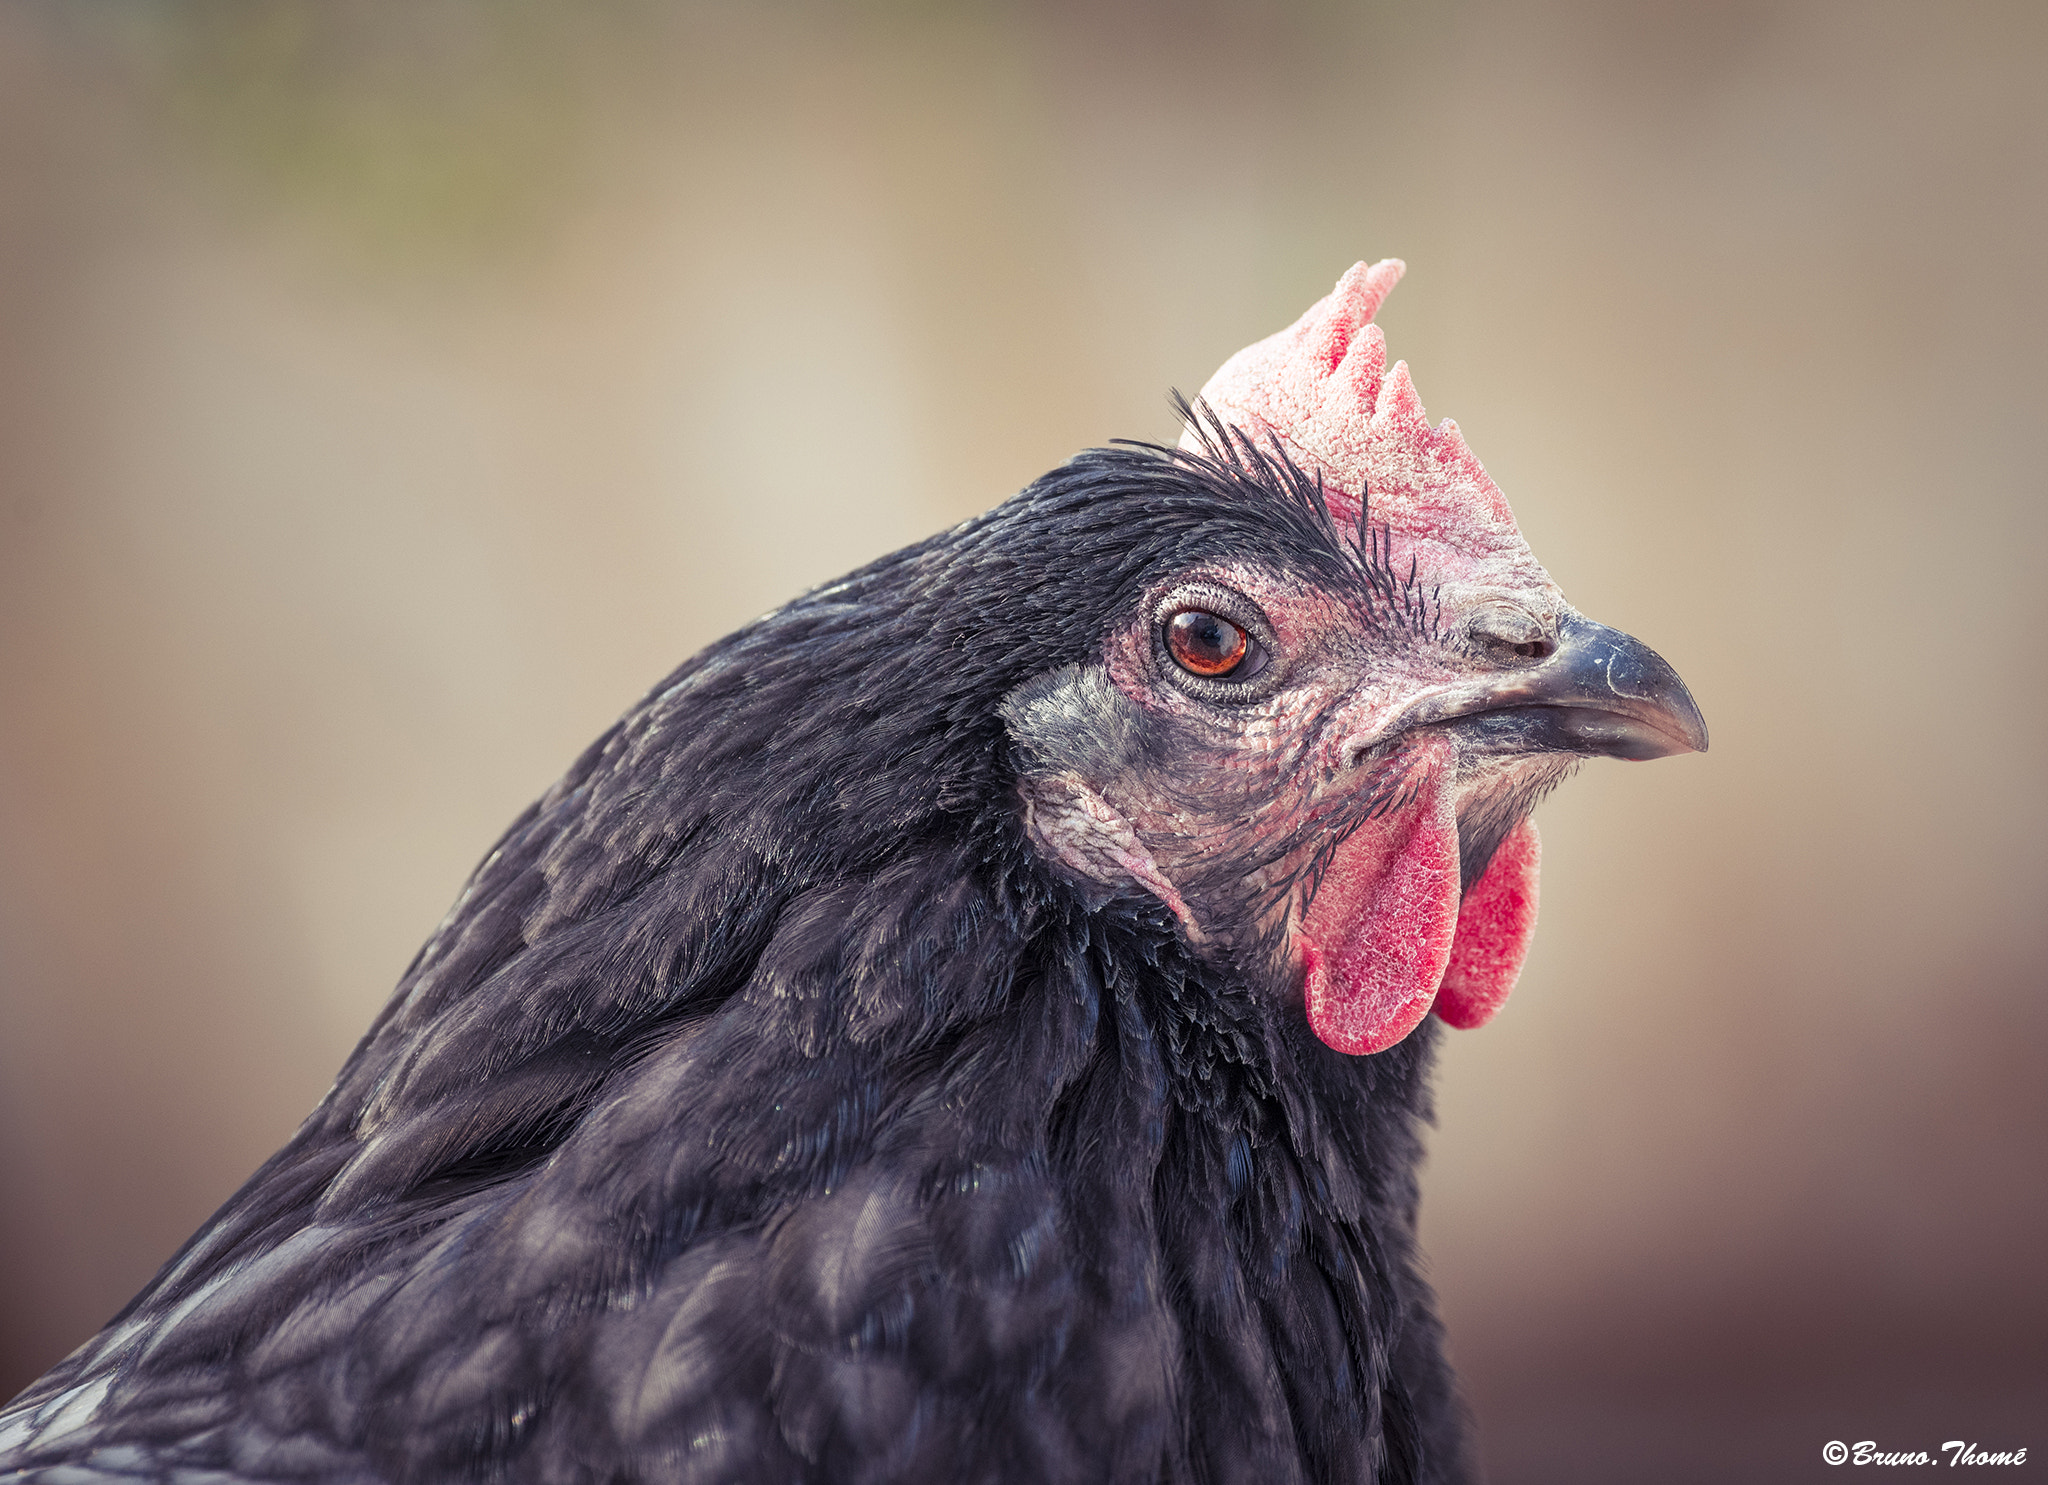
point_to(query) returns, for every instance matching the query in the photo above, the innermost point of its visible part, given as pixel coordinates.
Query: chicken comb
(1322, 390)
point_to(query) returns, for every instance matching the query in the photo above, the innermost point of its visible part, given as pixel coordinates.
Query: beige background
(389, 392)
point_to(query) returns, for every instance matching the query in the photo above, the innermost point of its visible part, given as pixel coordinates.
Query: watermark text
(1953, 1453)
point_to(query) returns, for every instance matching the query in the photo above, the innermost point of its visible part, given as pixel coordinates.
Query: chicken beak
(1600, 693)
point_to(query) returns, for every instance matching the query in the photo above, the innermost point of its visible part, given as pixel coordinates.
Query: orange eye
(1204, 644)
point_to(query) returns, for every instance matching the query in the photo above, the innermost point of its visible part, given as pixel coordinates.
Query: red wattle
(1377, 936)
(1495, 923)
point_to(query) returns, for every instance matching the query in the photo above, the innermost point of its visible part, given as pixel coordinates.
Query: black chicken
(964, 1026)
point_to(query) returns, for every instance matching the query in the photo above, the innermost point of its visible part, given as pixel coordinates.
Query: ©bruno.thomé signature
(1957, 1451)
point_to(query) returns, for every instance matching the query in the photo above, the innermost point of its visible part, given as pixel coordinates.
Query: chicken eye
(1205, 644)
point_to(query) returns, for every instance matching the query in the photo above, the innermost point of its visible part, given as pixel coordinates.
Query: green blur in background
(391, 392)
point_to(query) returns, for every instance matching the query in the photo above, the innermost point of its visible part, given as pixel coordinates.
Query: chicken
(967, 1025)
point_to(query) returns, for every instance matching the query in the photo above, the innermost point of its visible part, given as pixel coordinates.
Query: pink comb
(1321, 386)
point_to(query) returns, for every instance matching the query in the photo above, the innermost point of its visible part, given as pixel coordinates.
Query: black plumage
(768, 1109)
(771, 1108)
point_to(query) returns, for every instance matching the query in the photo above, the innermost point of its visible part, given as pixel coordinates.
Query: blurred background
(392, 390)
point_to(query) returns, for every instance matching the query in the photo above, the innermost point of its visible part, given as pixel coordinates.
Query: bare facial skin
(1218, 795)
(1317, 780)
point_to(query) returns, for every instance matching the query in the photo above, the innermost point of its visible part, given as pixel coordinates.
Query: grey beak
(1602, 693)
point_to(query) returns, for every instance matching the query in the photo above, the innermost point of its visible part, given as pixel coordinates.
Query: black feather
(767, 1109)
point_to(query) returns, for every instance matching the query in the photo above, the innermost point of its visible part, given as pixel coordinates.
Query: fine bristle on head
(1322, 388)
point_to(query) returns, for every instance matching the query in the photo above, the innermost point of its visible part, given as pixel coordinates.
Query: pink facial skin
(1387, 930)
(1318, 829)
(1382, 931)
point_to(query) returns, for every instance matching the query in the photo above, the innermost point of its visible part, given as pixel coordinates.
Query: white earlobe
(1076, 827)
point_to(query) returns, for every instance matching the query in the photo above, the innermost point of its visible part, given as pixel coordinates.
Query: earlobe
(1076, 827)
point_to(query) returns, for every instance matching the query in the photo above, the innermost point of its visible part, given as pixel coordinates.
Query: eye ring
(1257, 670)
(1206, 644)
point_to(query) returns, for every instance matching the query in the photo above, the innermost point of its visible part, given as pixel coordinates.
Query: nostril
(1504, 630)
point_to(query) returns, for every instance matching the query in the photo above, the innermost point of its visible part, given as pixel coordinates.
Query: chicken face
(1323, 762)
